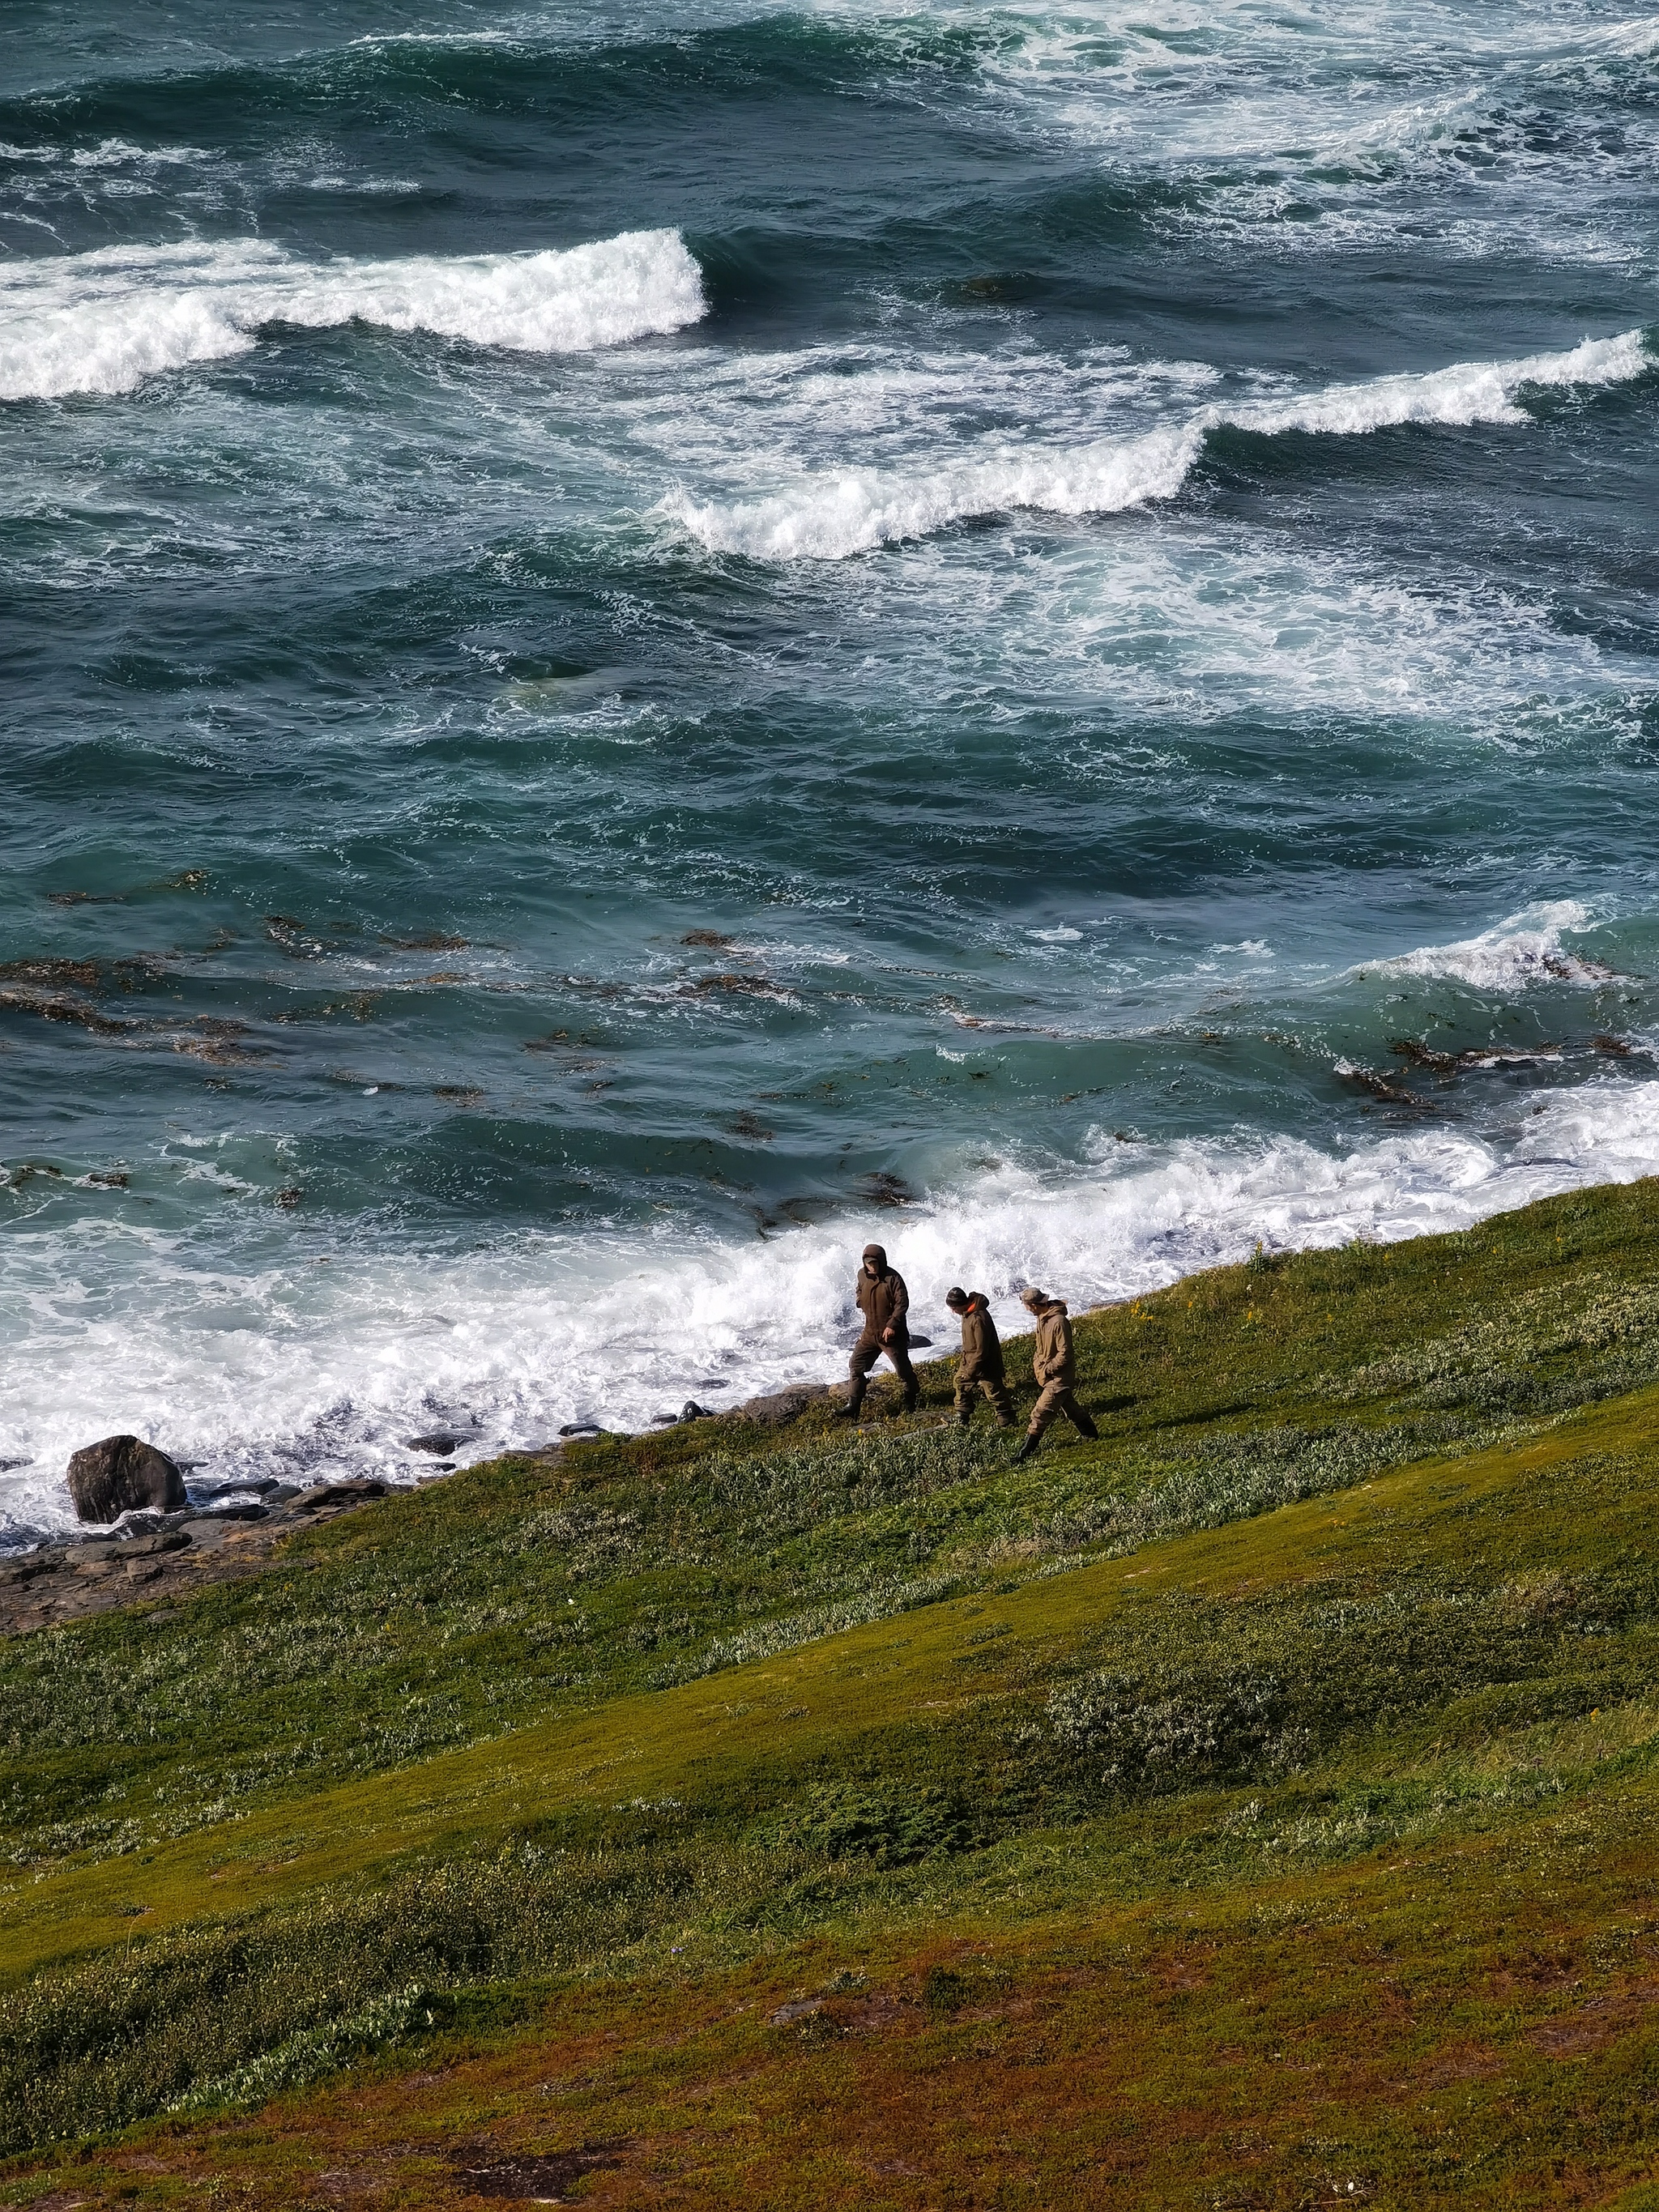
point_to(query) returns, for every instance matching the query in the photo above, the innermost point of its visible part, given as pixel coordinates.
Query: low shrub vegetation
(1295, 1708)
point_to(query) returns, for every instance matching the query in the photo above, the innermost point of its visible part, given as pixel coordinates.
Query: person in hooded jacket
(883, 1300)
(1054, 1364)
(980, 1368)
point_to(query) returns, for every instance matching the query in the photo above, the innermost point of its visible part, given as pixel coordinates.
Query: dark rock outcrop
(121, 1474)
(781, 1407)
(152, 1547)
(357, 1491)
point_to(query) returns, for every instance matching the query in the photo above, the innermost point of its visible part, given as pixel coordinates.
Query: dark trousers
(865, 1352)
(992, 1386)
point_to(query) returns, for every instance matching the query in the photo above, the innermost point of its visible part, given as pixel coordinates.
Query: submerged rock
(252, 1486)
(146, 1520)
(120, 1475)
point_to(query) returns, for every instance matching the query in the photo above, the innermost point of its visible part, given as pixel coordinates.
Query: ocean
(642, 643)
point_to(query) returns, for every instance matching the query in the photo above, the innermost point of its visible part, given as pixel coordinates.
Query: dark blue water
(638, 644)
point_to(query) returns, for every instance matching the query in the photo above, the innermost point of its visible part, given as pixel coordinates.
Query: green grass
(1361, 1571)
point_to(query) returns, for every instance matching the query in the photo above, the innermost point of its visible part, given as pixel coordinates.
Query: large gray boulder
(120, 1475)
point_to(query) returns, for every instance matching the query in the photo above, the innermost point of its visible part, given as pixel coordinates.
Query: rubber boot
(912, 1400)
(1026, 1450)
(850, 1411)
(1086, 1427)
(963, 1417)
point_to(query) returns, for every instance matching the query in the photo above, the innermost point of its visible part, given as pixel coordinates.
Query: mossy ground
(1254, 1808)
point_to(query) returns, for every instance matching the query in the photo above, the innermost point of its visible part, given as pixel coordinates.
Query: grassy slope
(1259, 1802)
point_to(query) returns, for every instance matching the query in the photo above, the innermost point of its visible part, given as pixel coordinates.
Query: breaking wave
(830, 519)
(335, 1376)
(1525, 948)
(104, 321)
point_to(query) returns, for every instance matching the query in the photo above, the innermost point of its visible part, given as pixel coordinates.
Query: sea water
(641, 644)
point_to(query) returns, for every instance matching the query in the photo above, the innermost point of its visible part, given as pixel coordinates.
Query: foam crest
(320, 1376)
(102, 322)
(828, 518)
(853, 513)
(1469, 392)
(1524, 949)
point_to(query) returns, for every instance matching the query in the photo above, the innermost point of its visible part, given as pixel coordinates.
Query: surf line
(828, 518)
(103, 321)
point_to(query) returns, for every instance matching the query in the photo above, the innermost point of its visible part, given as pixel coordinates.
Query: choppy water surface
(641, 643)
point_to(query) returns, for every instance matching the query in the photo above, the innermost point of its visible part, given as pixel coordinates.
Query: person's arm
(898, 1302)
(973, 1350)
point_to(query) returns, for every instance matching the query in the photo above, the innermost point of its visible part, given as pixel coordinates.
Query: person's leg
(964, 1403)
(1047, 1404)
(1001, 1404)
(907, 1374)
(857, 1373)
(1074, 1413)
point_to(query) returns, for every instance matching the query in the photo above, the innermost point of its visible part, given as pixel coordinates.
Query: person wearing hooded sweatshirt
(884, 1302)
(980, 1368)
(1054, 1364)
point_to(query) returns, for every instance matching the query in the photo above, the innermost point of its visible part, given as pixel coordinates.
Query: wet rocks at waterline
(123, 1474)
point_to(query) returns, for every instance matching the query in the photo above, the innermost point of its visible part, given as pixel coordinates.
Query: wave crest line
(831, 519)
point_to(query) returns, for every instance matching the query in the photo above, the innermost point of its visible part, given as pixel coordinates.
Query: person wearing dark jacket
(1054, 1364)
(980, 1368)
(883, 1300)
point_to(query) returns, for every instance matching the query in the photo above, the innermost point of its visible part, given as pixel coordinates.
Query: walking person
(883, 1301)
(980, 1368)
(1053, 1363)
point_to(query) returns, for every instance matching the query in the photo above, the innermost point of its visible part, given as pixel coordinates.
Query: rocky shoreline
(161, 1556)
(156, 1558)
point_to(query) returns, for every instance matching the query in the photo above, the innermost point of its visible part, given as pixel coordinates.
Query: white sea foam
(102, 322)
(1181, 618)
(1259, 110)
(294, 1369)
(1524, 949)
(828, 518)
